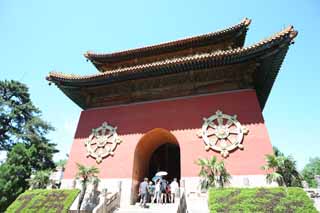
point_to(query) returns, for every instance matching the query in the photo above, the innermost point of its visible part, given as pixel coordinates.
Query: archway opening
(157, 150)
(165, 158)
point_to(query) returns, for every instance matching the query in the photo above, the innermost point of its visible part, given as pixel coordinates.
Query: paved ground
(156, 208)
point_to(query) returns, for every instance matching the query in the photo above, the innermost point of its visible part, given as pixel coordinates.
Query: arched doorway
(165, 158)
(157, 150)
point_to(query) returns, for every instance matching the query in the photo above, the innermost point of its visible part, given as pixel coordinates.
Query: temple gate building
(162, 107)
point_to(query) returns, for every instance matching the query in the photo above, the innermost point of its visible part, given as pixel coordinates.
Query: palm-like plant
(275, 177)
(212, 172)
(39, 179)
(291, 175)
(86, 174)
(283, 170)
(207, 173)
(223, 175)
(274, 164)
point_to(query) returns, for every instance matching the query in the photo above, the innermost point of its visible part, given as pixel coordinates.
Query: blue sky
(40, 36)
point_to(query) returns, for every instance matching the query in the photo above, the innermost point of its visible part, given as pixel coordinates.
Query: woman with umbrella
(159, 186)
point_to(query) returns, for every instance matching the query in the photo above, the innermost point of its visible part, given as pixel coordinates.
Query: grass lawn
(44, 201)
(279, 199)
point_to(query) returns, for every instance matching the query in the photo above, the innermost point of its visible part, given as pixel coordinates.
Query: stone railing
(108, 203)
(314, 194)
(182, 208)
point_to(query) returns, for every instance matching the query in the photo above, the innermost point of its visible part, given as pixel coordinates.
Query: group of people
(160, 192)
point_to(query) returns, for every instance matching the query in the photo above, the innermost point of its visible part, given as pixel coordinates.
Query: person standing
(157, 192)
(151, 189)
(174, 189)
(163, 189)
(168, 193)
(143, 191)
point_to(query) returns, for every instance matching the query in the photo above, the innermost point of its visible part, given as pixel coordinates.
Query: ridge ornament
(102, 142)
(222, 133)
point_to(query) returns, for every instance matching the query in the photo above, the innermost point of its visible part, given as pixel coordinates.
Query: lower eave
(252, 67)
(258, 74)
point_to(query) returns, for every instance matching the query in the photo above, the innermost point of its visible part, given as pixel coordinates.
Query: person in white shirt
(174, 189)
(157, 192)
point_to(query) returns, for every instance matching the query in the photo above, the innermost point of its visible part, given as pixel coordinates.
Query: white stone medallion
(102, 142)
(222, 133)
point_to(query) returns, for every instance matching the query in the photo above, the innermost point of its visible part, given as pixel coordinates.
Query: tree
(16, 113)
(311, 170)
(13, 175)
(283, 169)
(86, 174)
(39, 179)
(23, 135)
(212, 172)
(20, 122)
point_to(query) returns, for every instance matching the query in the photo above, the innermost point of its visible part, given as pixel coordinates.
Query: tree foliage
(283, 169)
(23, 135)
(310, 171)
(19, 119)
(13, 175)
(212, 172)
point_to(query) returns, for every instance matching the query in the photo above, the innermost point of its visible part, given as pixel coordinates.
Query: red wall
(183, 118)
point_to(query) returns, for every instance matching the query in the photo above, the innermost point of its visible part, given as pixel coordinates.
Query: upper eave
(234, 36)
(213, 59)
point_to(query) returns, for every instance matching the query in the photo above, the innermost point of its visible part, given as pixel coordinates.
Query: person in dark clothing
(163, 188)
(151, 189)
(143, 192)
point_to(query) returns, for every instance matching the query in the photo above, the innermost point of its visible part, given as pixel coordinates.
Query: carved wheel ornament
(102, 142)
(222, 133)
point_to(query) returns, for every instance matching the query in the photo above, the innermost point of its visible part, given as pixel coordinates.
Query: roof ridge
(244, 23)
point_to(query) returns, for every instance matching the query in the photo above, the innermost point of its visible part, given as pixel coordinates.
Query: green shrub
(279, 199)
(44, 201)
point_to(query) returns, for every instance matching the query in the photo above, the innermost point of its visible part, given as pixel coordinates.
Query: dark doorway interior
(165, 158)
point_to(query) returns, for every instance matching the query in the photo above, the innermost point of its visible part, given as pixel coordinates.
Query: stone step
(167, 208)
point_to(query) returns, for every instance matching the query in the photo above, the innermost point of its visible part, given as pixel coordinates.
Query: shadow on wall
(176, 114)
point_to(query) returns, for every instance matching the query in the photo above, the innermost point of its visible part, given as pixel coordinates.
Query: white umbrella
(161, 173)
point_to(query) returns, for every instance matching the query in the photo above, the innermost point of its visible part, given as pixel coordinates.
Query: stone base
(191, 185)
(112, 185)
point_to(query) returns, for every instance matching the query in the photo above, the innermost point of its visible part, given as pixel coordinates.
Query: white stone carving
(222, 133)
(102, 142)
